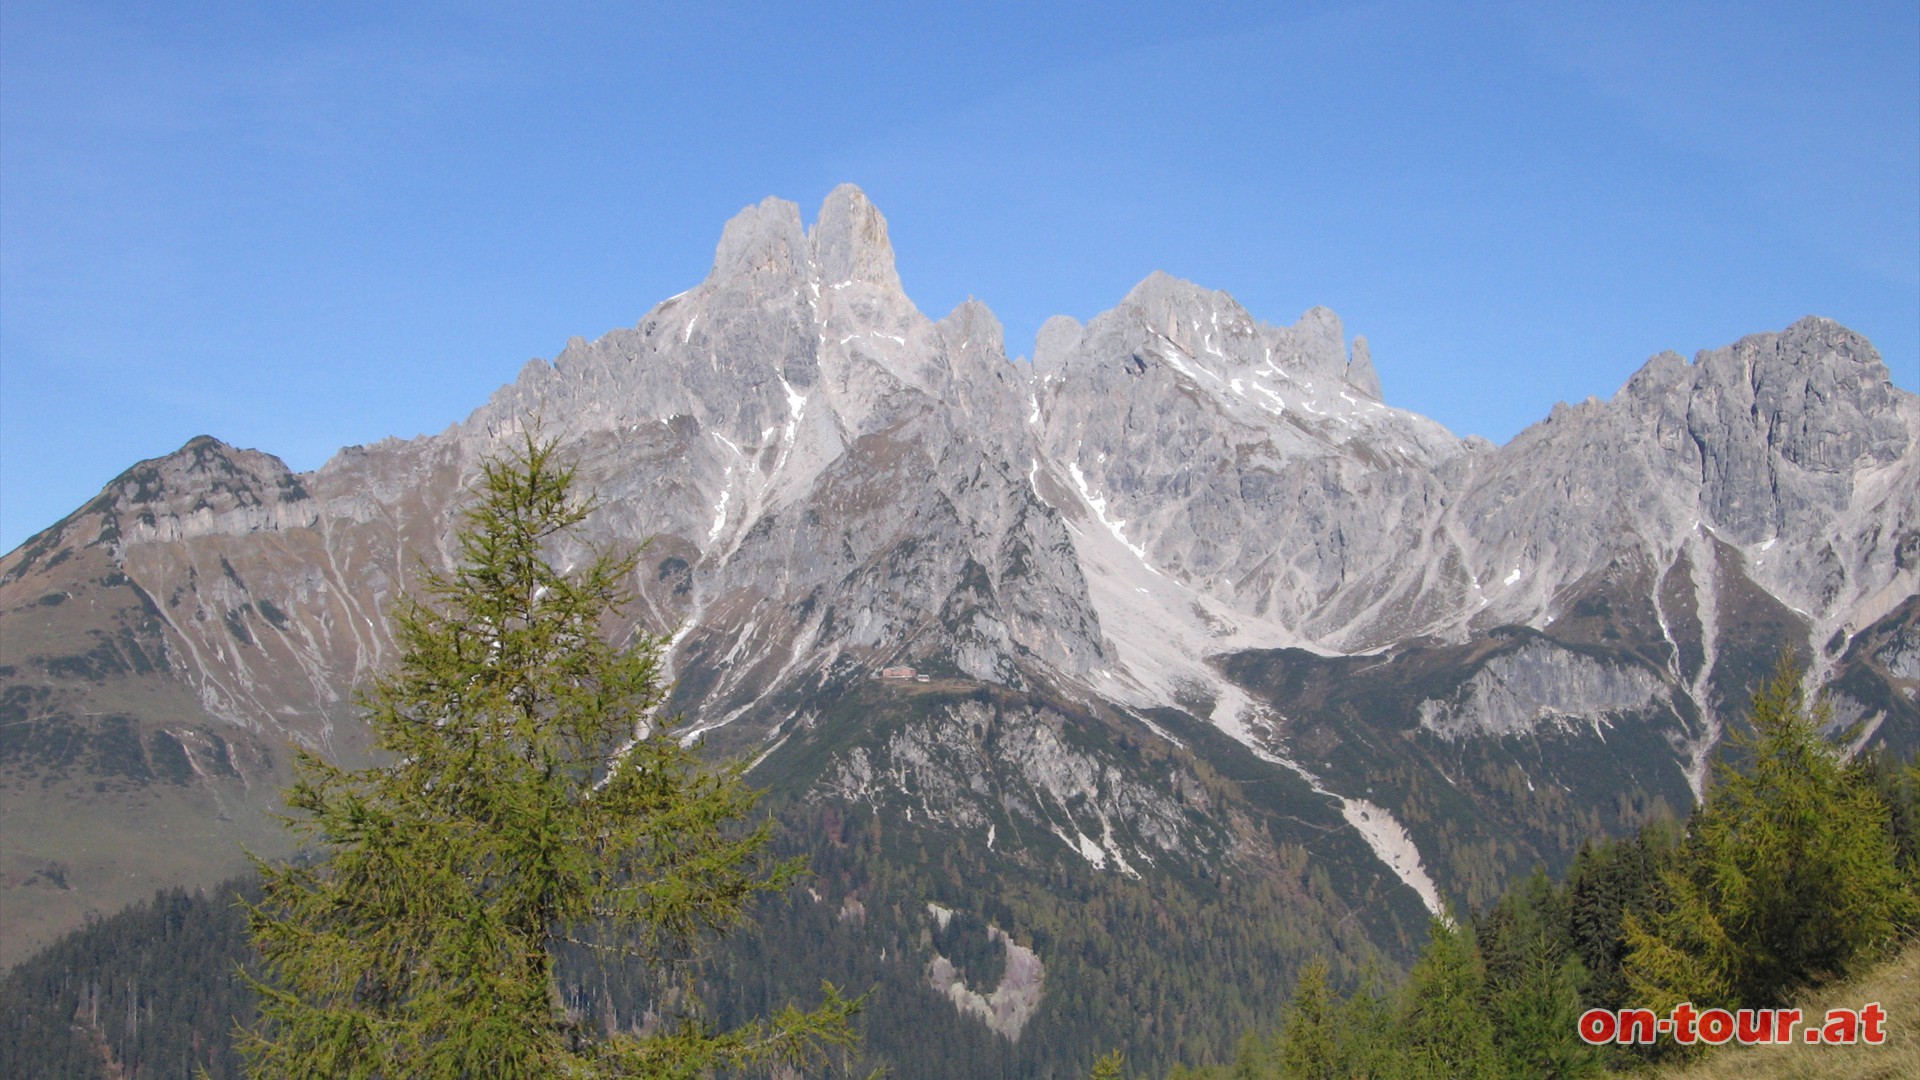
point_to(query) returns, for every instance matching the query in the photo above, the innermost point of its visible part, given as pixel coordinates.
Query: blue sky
(297, 227)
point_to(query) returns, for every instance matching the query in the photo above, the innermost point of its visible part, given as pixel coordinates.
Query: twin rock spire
(847, 243)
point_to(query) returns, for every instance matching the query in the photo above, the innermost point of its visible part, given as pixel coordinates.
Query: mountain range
(1193, 604)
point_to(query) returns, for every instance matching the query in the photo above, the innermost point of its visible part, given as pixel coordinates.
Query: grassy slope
(94, 815)
(1895, 985)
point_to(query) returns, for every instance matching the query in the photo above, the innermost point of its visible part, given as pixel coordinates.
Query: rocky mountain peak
(850, 241)
(205, 486)
(1182, 526)
(1826, 395)
(1059, 336)
(978, 323)
(975, 343)
(1211, 330)
(1774, 426)
(761, 239)
(1360, 373)
(1814, 366)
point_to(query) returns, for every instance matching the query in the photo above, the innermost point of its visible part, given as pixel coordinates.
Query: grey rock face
(1360, 373)
(830, 480)
(1005, 1009)
(1902, 657)
(1540, 684)
(826, 481)
(1775, 426)
(976, 765)
(1238, 455)
(764, 239)
(207, 487)
(1793, 448)
(850, 242)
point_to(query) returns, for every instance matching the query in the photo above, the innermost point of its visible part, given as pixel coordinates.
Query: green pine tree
(533, 799)
(1534, 982)
(1310, 1042)
(1608, 882)
(1444, 1029)
(1787, 877)
(1253, 1059)
(1368, 1031)
(1898, 786)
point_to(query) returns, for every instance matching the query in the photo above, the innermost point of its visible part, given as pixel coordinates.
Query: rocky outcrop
(979, 767)
(1541, 684)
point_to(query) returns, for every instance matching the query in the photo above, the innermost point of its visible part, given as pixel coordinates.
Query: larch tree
(1787, 876)
(531, 800)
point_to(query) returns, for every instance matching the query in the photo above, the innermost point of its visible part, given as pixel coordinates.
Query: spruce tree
(531, 799)
(1534, 982)
(1253, 1059)
(1608, 882)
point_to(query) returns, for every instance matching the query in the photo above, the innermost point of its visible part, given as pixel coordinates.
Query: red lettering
(1638, 1025)
(1716, 1026)
(1871, 1017)
(1842, 1026)
(1683, 1017)
(1597, 1025)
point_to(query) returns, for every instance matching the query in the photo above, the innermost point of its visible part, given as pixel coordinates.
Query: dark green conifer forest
(153, 991)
